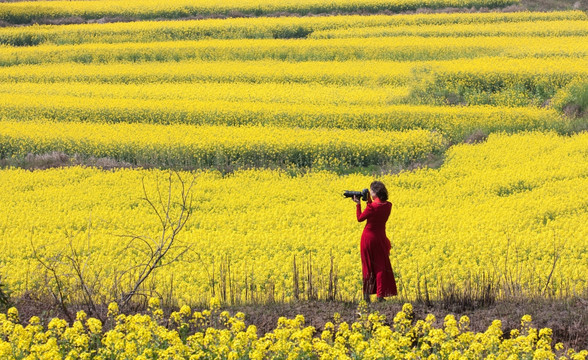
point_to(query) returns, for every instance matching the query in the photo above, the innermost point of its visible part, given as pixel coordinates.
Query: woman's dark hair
(380, 189)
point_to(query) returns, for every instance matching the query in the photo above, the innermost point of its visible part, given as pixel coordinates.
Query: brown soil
(551, 5)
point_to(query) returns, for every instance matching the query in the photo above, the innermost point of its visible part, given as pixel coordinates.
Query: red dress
(378, 277)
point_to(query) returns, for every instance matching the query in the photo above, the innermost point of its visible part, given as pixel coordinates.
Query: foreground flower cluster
(212, 334)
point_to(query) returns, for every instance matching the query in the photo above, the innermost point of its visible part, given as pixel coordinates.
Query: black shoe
(367, 298)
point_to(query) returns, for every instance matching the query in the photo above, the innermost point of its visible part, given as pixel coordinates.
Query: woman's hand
(356, 199)
(369, 197)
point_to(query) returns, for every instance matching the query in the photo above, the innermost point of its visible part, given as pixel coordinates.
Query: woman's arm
(362, 216)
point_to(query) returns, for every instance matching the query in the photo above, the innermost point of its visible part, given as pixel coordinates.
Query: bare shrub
(477, 136)
(5, 301)
(46, 161)
(57, 159)
(73, 278)
(572, 110)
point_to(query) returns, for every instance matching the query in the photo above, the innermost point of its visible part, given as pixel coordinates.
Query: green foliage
(5, 302)
(573, 99)
(490, 89)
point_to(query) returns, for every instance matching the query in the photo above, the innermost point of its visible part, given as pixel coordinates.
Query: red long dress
(378, 277)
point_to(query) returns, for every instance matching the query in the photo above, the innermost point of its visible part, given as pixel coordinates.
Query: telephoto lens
(363, 194)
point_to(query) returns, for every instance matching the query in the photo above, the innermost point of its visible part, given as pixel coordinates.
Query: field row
(528, 202)
(483, 81)
(554, 72)
(570, 23)
(455, 123)
(402, 48)
(309, 93)
(536, 28)
(181, 146)
(28, 12)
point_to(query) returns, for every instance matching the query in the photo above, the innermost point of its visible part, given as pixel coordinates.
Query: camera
(363, 194)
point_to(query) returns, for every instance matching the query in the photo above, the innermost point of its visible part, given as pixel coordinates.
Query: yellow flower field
(369, 73)
(475, 121)
(448, 224)
(400, 48)
(530, 28)
(139, 98)
(24, 12)
(557, 23)
(455, 123)
(216, 146)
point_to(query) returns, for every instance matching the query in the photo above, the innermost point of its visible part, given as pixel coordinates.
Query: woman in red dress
(378, 277)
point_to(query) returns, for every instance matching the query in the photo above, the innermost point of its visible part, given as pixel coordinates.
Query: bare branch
(146, 198)
(168, 243)
(59, 297)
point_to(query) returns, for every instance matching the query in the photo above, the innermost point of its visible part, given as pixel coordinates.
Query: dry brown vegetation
(550, 5)
(58, 159)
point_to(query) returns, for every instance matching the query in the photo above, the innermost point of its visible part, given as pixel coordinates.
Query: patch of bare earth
(59, 159)
(551, 5)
